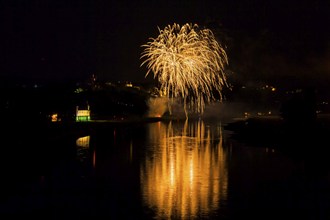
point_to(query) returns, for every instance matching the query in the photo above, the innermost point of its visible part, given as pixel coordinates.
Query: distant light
(54, 117)
(78, 90)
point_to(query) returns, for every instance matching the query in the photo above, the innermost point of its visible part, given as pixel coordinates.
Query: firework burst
(188, 63)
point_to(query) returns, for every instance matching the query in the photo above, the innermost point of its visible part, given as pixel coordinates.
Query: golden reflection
(83, 148)
(184, 173)
(83, 142)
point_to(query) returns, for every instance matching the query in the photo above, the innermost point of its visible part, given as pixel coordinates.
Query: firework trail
(188, 63)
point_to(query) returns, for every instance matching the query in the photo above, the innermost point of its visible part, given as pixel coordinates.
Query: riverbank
(275, 131)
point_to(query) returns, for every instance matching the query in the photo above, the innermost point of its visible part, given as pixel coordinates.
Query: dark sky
(65, 39)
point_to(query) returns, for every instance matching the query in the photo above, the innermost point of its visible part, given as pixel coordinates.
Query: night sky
(45, 40)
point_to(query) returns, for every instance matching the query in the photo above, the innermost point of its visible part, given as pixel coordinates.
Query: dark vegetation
(299, 130)
(37, 103)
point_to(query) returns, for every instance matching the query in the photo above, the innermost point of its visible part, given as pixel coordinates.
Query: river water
(161, 170)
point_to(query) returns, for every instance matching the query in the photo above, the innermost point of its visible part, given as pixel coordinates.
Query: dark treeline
(38, 103)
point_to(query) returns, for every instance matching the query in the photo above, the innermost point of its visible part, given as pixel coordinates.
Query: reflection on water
(83, 150)
(190, 170)
(184, 174)
(83, 142)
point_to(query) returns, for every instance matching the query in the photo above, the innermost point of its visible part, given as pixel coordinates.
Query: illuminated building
(83, 114)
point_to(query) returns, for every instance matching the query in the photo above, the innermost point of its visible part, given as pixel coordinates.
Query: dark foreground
(255, 169)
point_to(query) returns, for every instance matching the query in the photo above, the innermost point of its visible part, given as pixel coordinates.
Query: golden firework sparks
(188, 62)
